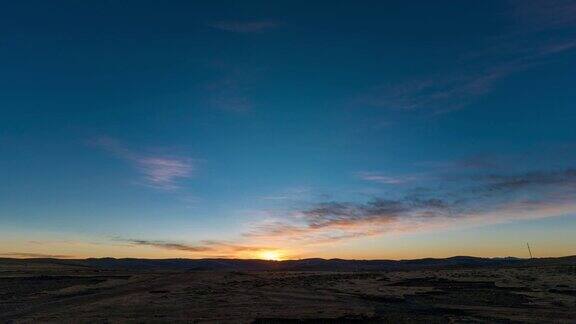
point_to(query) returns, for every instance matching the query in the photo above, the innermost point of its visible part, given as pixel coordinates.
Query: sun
(270, 255)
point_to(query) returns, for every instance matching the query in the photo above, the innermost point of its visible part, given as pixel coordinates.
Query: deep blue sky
(335, 129)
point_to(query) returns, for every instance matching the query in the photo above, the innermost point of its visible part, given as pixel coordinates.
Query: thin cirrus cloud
(158, 171)
(540, 31)
(245, 26)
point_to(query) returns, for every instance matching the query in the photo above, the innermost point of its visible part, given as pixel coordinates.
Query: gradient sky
(374, 129)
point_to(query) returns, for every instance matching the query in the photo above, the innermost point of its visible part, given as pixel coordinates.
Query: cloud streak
(159, 171)
(205, 247)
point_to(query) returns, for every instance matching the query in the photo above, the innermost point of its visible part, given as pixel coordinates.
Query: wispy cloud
(541, 31)
(34, 255)
(476, 200)
(385, 179)
(474, 191)
(332, 221)
(534, 179)
(245, 26)
(159, 171)
(171, 245)
(163, 172)
(202, 248)
(440, 93)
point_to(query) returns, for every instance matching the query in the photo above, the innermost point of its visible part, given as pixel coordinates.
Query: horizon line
(286, 260)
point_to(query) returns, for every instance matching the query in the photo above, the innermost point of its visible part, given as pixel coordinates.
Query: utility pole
(528, 245)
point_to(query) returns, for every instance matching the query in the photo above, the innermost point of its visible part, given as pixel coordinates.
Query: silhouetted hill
(314, 264)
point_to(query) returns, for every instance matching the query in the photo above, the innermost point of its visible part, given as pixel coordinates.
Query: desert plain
(47, 290)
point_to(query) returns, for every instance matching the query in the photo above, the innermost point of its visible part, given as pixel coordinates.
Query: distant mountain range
(315, 264)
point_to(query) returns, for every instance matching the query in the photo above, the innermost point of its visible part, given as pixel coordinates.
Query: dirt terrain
(73, 293)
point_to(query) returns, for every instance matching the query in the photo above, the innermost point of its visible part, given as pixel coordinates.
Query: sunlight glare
(270, 255)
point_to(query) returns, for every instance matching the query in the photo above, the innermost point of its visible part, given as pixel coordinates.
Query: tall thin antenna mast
(528, 245)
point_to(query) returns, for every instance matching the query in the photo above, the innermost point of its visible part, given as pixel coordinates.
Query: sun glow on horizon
(270, 255)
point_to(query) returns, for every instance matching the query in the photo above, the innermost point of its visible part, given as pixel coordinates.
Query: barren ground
(75, 294)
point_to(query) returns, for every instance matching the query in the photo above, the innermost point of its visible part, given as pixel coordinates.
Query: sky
(287, 129)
